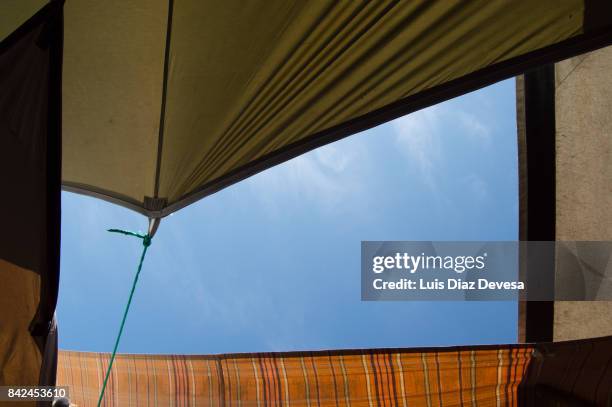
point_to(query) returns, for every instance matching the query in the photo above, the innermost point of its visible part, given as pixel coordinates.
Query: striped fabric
(488, 376)
(560, 374)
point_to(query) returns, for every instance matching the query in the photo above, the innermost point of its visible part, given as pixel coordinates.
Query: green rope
(146, 242)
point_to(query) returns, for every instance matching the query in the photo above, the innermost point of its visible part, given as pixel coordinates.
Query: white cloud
(474, 127)
(335, 174)
(327, 177)
(476, 187)
(421, 136)
(417, 135)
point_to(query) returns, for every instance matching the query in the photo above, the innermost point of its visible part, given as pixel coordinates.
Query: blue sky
(272, 263)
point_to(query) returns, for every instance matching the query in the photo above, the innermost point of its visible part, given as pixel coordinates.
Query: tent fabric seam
(117, 199)
(162, 114)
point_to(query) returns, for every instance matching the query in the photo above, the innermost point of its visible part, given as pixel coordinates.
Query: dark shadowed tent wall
(30, 150)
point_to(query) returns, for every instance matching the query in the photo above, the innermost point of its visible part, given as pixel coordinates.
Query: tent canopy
(166, 102)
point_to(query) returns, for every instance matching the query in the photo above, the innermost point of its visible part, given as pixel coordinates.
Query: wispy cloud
(474, 127)
(476, 187)
(417, 135)
(326, 177)
(421, 136)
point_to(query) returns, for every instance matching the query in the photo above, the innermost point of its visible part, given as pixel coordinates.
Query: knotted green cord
(146, 242)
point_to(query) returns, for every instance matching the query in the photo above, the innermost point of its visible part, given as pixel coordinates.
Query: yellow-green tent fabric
(166, 102)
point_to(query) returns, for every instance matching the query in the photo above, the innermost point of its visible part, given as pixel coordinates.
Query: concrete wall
(583, 110)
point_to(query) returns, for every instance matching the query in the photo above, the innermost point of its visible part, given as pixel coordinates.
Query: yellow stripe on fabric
(426, 378)
(116, 388)
(367, 377)
(285, 381)
(346, 382)
(254, 364)
(306, 382)
(155, 383)
(238, 392)
(500, 363)
(473, 376)
(193, 382)
(170, 399)
(84, 370)
(401, 374)
(210, 385)
(129, 382)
